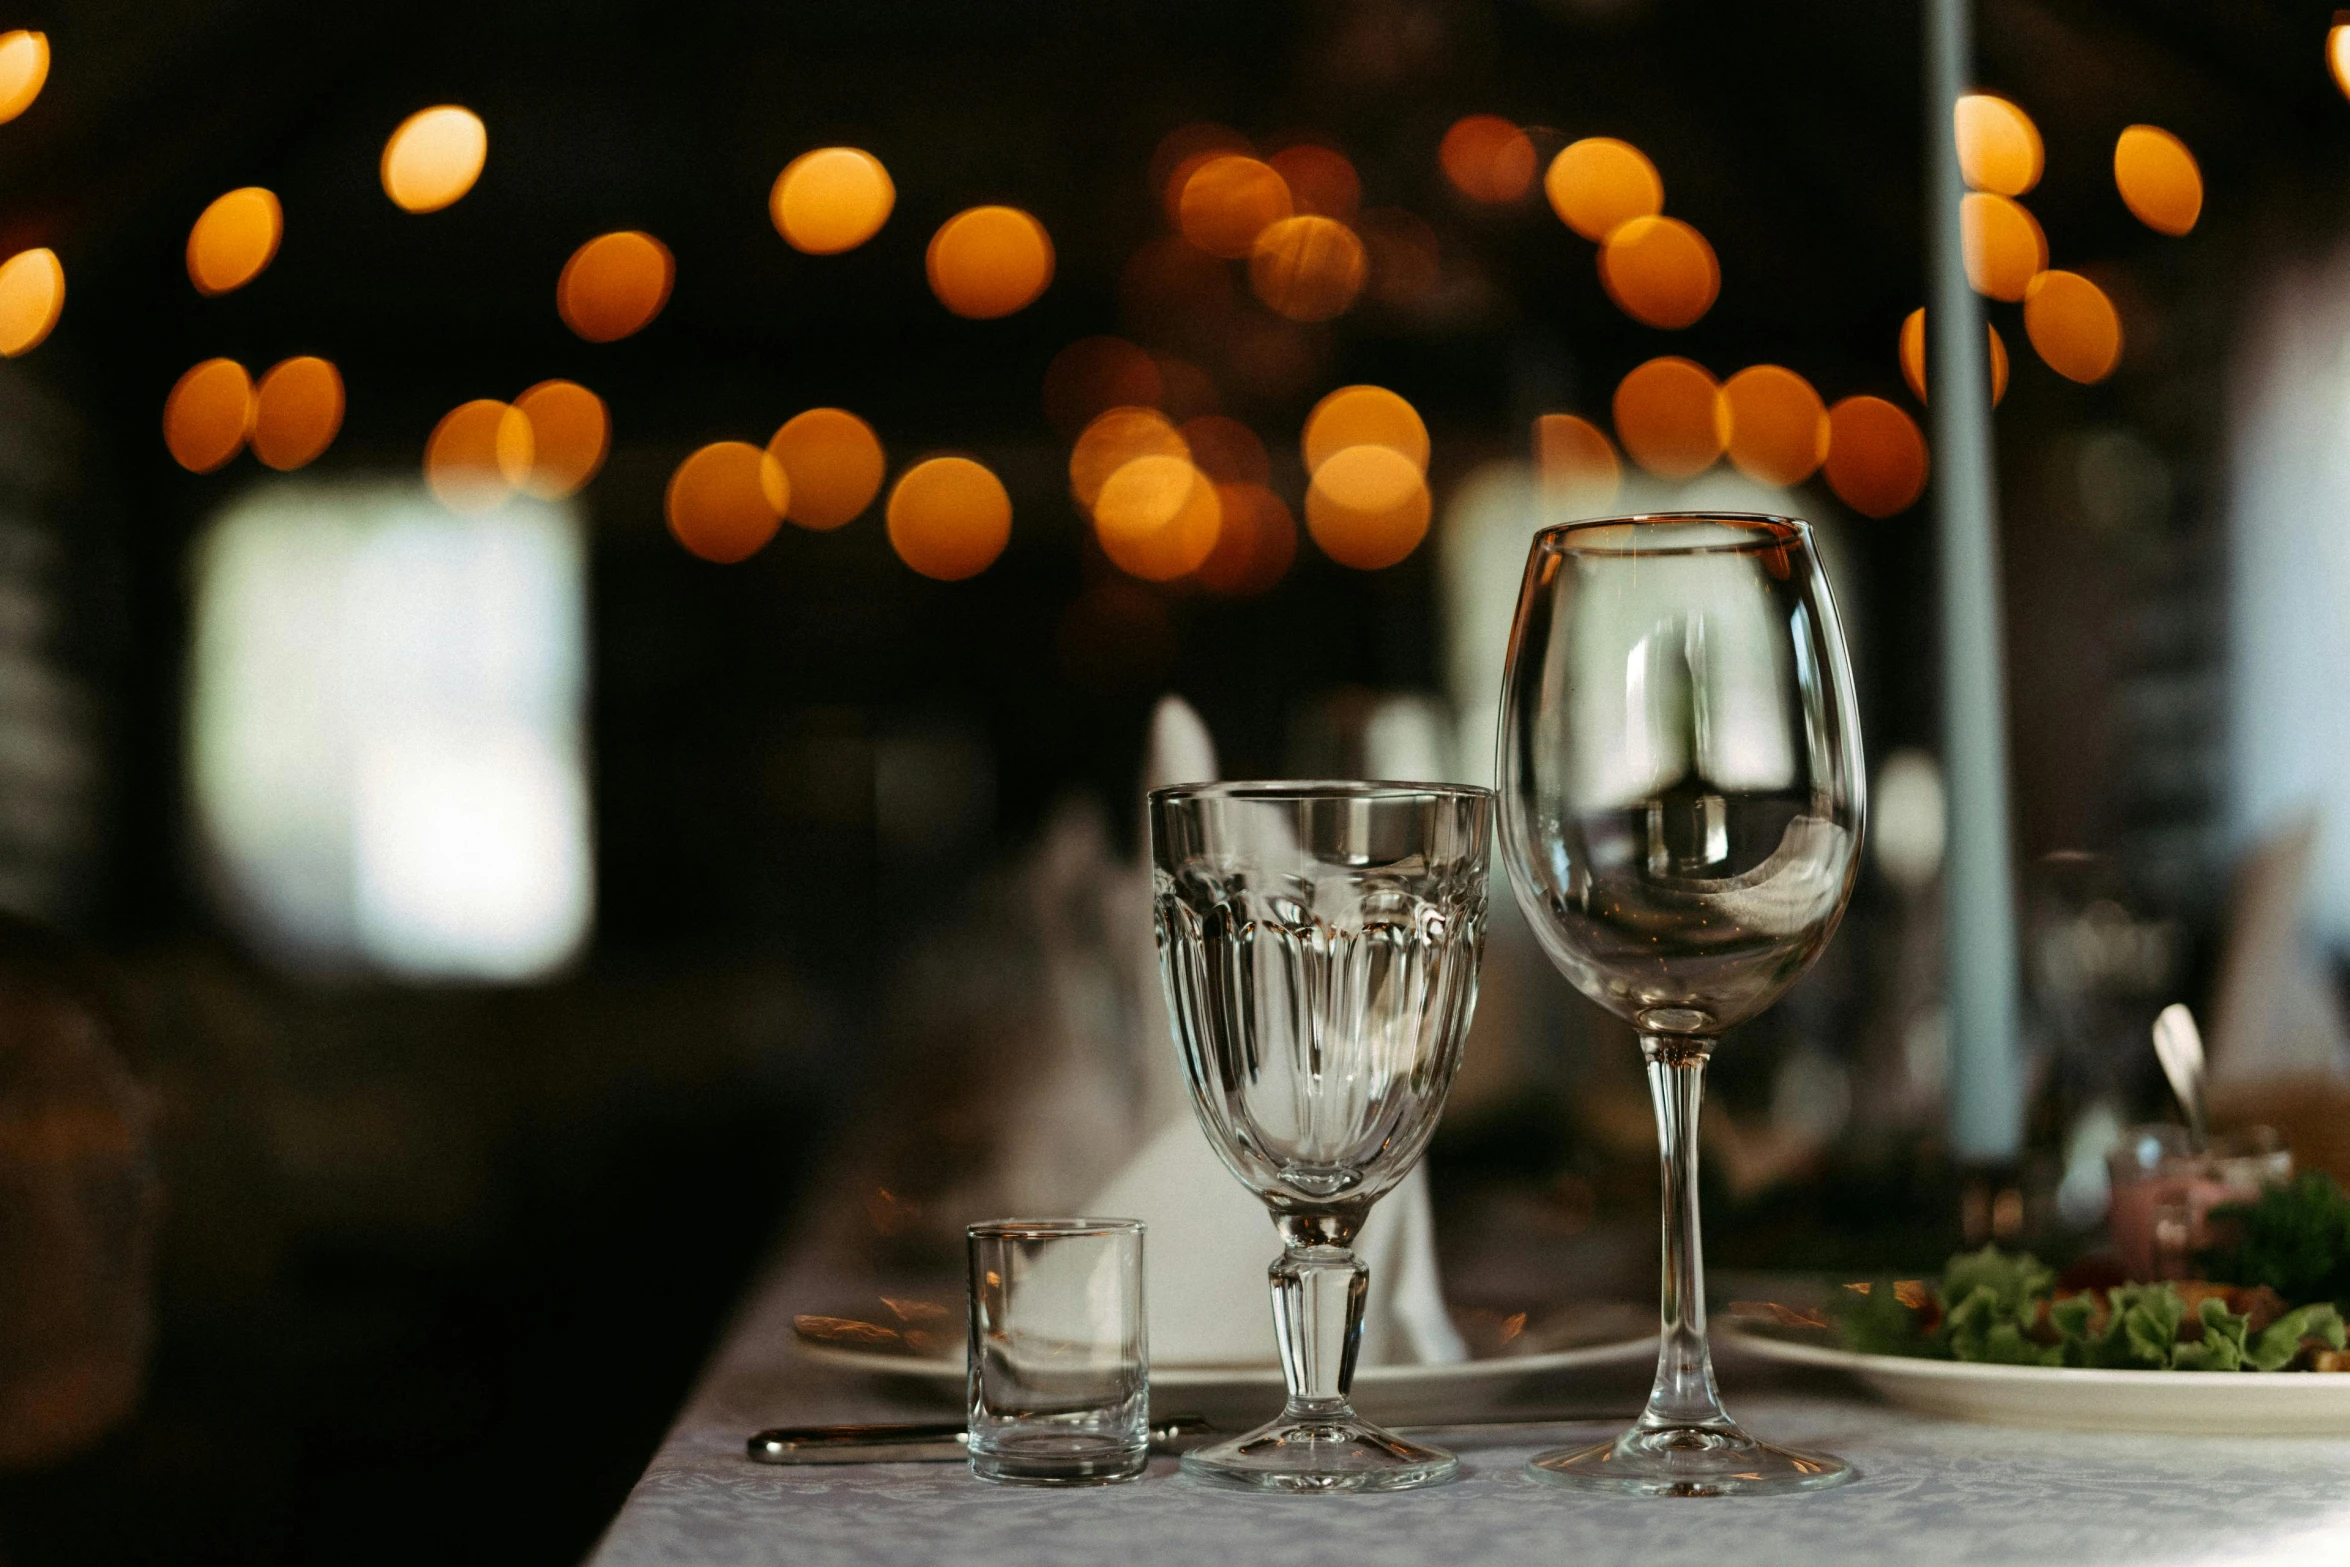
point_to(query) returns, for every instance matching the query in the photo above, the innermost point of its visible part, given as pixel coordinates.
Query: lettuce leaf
(2001, 1309)
(2294, 1238)
(2281, 1340)
(1989, 1300)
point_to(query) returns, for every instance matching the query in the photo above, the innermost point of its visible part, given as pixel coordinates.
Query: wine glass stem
(1318, 1317)
(1684, 1394)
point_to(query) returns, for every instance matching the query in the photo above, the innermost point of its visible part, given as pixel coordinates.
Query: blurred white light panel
(385, 731)
(2288, 574)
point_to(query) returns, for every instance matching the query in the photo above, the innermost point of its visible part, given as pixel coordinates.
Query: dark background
(437, 1265)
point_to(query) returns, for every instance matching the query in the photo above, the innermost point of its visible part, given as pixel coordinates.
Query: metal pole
(1980, 961)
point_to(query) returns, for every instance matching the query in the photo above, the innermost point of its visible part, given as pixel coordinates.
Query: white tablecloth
(1930, 1492)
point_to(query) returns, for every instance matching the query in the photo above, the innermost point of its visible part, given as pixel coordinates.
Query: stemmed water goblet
(1682, 799)
(1319, 944)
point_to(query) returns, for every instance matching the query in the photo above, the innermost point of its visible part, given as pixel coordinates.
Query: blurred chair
(79, 1202)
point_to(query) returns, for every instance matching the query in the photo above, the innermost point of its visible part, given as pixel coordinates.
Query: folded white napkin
(2274, 1015)
(1209, 1240)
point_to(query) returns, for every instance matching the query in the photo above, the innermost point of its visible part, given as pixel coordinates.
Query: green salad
(2273, 1301)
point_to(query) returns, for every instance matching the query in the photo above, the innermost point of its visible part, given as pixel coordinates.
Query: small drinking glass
(1319, 943)
(1059, 1383)
(2164, 1189)
(1682, 802)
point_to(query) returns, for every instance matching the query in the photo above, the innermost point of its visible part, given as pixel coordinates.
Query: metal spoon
(2178, 1045)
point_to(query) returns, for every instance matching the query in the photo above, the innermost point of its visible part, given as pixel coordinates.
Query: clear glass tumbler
(1059, 1383)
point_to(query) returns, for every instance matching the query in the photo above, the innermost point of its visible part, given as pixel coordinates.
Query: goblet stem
(1319, 1443)
(1318, 1317)
(1683, 1444)
(1683, 1396)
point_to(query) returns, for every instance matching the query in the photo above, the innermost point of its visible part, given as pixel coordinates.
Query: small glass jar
(2164, 1191)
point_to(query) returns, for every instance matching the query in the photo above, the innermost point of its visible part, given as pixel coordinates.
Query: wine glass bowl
(1682, 802)
(1319, 944)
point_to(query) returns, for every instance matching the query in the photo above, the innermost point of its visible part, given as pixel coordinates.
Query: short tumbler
(1060, 1367)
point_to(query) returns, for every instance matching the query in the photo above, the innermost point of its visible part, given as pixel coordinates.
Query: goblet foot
(1703, 1460)
(1306, 1455)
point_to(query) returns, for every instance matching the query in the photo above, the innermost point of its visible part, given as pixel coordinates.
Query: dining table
(1929, 1490)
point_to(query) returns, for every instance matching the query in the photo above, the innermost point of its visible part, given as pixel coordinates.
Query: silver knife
(944, 1441)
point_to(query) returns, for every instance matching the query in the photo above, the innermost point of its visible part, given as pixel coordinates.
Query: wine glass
(1682, 799)
(1319, 943)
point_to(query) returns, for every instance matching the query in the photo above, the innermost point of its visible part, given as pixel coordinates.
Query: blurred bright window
(2287, 700)
(385, 731)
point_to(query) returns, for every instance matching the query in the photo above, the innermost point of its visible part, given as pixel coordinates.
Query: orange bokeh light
(32, 297)
(478, 455)
(1913, 356)
(1368, 506)
(835, 464)
(949, 518)
(1599, 184)
(234, 239)
(1778, 425)
(434, 157)
(1179, 155)
(831, 200)
(2338, 55)
(986, 262)
(1575, 462)
(1999, 147)
(726, 501)
(207, 415)
(1487, 158)
(1256, 544)
(1226, 450)
(1671, 417)
(2073, 325)
(1308, 268)
(24, 67)
(614, 285)
(1157, 518)
(1876, 456)
(1364, 416)
(1114, 439)
(569, 433)
(2001, 244)
(1660, 272)
(2158, 178)
(1092, 376)
(1228, 201)
(297, 410)
(1321, 181)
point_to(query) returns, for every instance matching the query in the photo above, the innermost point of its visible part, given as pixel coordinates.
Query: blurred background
(506, 824)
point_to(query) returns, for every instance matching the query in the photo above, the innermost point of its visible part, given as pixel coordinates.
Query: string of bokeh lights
(1173, 489)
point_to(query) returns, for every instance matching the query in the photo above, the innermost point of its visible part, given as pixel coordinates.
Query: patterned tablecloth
(1930, 1492)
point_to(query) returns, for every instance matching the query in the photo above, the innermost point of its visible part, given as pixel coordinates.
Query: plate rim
(1919, 1368)
(940, 1368)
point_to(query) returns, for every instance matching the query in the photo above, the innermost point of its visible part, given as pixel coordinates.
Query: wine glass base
(1309, 1456)
(1689, 1461)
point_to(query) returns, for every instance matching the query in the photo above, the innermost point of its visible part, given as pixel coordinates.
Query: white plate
(2178, 1403)
(1394, 1393)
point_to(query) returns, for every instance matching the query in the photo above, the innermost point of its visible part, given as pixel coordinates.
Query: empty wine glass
(1682, 801)
(1319, 943)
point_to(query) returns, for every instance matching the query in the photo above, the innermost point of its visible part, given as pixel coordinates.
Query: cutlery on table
(940, 1441)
